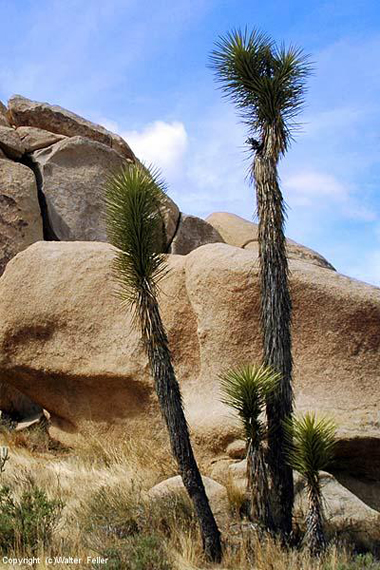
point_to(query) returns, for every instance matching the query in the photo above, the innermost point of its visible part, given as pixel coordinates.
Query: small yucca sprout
(311, 445)
(246, 390)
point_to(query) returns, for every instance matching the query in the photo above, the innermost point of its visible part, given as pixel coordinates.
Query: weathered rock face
(11, 143)
(170, 215)
(237, 449)
(24, 112)
(242, 233)
(33, 138)
(192, 233)
(234, 230)
(20, 218)
(73, 174)
(71, 159)
(3, 116)
(108, 385)
(66, 343)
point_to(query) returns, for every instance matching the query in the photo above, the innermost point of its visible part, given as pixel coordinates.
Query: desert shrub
(27, 524)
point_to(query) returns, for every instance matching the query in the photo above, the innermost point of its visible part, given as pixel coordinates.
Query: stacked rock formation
(53, 166)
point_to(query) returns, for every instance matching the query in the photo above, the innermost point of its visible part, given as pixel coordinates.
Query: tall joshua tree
(133, 200)
(267, 84)
(245, 390)
(311, 446)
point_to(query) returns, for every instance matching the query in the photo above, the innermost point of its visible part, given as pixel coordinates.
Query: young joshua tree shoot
(310, 448)
(246, 390)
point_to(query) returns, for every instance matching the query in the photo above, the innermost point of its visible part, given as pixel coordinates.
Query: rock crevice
(48, 232)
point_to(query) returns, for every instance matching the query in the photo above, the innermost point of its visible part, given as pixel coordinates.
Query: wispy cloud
(311, 188)
(336, 120)
(325, 192)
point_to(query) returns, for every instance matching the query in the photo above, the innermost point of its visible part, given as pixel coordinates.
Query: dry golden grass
(107, 477)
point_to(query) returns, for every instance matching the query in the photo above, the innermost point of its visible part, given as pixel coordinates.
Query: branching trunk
(315, 536)
(260, 507)
(276, 323)
(170, 401)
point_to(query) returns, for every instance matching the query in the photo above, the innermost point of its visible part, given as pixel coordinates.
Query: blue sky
(140, 68)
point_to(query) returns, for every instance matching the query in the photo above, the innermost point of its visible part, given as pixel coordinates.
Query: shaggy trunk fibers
(170, 401)
(276, 324)
(260, 507)
(315, 536)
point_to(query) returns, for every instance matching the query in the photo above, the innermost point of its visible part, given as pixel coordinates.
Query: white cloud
(159, 143)
(216, 167)
(205, 169)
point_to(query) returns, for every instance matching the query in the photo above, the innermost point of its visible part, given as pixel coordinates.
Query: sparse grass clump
(358, 562)
(135, 531)
(149, 459)
(127, 512)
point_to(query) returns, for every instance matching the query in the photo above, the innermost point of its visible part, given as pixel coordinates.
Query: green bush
(27, 524)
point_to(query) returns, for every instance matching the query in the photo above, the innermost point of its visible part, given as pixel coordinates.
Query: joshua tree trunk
(315, 536)
(260, 507)
(276, 323)
(170, 401)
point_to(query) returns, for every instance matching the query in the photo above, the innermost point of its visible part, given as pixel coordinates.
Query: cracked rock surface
(20, 216)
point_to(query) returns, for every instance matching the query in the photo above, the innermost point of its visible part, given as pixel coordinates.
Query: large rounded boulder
(59, 318)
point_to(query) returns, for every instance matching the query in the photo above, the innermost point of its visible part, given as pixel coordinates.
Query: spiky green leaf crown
(310, 444)
(134, 226)
(265, 81)
(246, 390)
